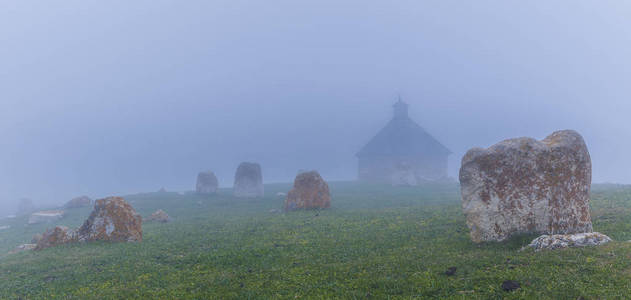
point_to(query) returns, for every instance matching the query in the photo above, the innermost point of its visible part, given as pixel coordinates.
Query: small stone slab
(561, 241)
(47, 216)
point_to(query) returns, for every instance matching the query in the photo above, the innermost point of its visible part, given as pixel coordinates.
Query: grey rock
(160, 216)
(248, 181)
(207, 183)
(560, 241)
(527, 186)
(78, 202)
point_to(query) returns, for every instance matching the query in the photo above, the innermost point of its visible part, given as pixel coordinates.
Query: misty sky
(114, 97)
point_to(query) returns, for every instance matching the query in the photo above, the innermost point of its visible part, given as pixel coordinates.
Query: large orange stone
(310, 192)
(112, 219)
(57, 236)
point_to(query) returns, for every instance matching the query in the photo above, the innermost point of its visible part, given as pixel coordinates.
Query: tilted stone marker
(207, 183)
(310, 192)
(112, 219)
(248, 181)
(527, 186)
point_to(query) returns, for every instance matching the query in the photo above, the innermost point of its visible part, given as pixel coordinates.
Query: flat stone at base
(560, 241)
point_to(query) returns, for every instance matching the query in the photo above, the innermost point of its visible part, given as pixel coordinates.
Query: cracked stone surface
(527, 186)
(56, 236)
(112, 219)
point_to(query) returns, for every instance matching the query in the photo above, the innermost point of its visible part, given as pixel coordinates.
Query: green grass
(375, 242)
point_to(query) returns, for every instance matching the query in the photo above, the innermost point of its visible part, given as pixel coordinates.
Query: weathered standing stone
(527, 186)
(46, 216)
(248, 181)
(78, 202)
(57, 236)
(112, 219)
(207, 183)
(310, 191)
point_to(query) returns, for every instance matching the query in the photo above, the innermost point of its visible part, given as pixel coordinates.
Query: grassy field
(375, 242)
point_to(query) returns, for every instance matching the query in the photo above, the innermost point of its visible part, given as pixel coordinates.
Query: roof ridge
(403, 136)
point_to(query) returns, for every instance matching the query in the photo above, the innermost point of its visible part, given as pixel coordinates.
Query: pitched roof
(402, 136)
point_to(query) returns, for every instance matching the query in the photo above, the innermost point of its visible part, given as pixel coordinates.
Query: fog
(116, 97)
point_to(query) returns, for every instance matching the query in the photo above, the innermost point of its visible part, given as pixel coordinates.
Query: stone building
(403, 153)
